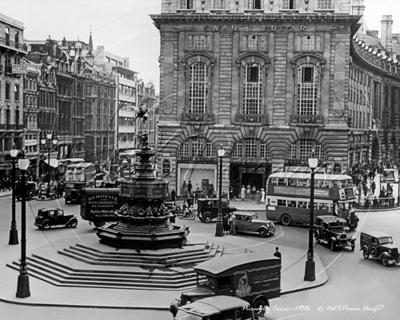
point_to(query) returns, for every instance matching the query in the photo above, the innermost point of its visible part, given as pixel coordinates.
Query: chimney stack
(358, 7)
(386, 32)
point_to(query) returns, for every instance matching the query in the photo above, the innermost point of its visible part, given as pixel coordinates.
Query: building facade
(12, 71)
(267, 81)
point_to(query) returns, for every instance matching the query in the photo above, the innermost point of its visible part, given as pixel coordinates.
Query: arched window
(303, 149)
(197, 147)
(251, 148)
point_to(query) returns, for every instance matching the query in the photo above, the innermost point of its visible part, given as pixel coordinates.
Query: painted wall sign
(234, 27)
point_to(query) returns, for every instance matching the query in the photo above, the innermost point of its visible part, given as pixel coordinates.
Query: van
(253, 277)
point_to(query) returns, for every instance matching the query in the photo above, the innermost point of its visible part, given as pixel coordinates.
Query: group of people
(252, 194)
(190, 196)
(229, 224)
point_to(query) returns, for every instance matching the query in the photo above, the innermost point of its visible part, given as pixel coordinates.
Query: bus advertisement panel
(288, 197)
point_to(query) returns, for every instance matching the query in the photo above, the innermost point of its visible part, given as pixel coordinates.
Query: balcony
(307, 119)
(12, 44)
(197, 117)
(252, 118)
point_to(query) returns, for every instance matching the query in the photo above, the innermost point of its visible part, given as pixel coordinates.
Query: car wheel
(332, 245)
(373, 251)
(263, 233)
(73, 224)
(286, 220)
(192, 216)
(260, 307)
(46, 226)
(385, 261)
(207, 218)
(365, 253)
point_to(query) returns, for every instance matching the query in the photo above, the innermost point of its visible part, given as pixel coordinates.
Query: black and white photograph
(199, 159)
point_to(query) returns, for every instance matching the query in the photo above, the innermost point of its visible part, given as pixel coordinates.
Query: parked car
(248, 222)
(54, 217)
(219, 307)
(30, 190)
(332, 230)
(207, 208)
(380, 246)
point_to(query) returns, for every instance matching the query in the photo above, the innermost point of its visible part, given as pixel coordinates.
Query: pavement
(46, 294)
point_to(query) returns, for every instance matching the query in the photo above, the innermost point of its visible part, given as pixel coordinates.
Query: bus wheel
(286, 220)
(260, 307)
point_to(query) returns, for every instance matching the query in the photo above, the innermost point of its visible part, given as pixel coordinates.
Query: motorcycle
(186, 213)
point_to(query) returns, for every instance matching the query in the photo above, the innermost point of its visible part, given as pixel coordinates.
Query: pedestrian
(231, 196)
(225, 224)
(189, 187)
(243, 193)
(373, 187)
(211, 191)
(258, 196)
(262, 195)
(248, 192)
(232, 224)
(253, 193)
(277, 253)
(197, 194)
(185, 194)
(173, 195)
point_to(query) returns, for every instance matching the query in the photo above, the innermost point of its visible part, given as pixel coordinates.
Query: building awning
(53, 162)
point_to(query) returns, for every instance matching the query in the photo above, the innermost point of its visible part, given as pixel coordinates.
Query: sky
(125, 28)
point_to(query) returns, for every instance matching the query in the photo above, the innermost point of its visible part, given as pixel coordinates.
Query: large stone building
(267, 81)
(12, 71)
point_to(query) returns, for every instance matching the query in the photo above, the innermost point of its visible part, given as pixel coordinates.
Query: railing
(198, 117)
(307, 119)
(17, 45)
(251, 118)
(376, 203)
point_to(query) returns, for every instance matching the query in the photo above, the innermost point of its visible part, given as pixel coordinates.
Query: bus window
(291, 203)
(281, 203)
(323, 206)
(316, 183)
(292, 182)
(302, 204)
(273, 181)
(315, 205)
(324, 184)
(282, 182)
(302, 182)
(337, 184)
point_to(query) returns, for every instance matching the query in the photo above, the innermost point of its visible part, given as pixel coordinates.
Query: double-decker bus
(288, 197)
(77, 177)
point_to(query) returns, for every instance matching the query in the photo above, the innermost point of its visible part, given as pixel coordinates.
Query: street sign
(166, 166)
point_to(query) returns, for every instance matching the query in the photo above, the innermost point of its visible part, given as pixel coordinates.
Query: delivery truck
(99, 205)
(253, 277)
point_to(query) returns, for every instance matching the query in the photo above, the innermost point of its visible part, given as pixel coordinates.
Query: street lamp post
(219, 231)
(310, 263)
(23, 278)
(13, 231)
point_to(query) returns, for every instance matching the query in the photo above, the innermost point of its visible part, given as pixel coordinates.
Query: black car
(54, 217)
(332, 230)
(379, 245)
(207, 208)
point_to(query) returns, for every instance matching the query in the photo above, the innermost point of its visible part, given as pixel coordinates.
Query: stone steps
(168, 270)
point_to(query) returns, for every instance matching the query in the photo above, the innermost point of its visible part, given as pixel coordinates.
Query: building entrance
(255, 175)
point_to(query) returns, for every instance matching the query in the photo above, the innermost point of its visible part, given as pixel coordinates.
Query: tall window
(186, 4)
(7, 96)
(198, 88)
(253, 43)
(251, 148)
(324, 4)
(288, 4)
(199, 42)
(307, 90)
(308, 43)
(7, 35)
(219, 4)
(253, 4)
(252, 89)
(16, 92)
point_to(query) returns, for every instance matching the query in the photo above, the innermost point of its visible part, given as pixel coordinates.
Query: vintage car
(380, 246)
(218, 307)
(248, 222)
(207, 208)
(332, 230)
(54, 217)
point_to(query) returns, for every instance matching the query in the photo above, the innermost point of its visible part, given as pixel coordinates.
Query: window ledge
(254, 11)
(220, 11)
(324, 10)
(289, 10)
(185, 10)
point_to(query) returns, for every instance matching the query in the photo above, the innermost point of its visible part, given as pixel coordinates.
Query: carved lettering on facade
(233, 27)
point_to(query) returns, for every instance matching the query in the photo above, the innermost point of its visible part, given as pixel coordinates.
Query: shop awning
(53, 162)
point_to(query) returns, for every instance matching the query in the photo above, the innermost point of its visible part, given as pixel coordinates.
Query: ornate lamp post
(23, 278)
(13, 231)
(219, 232)
(48, 144)
(310, 263)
